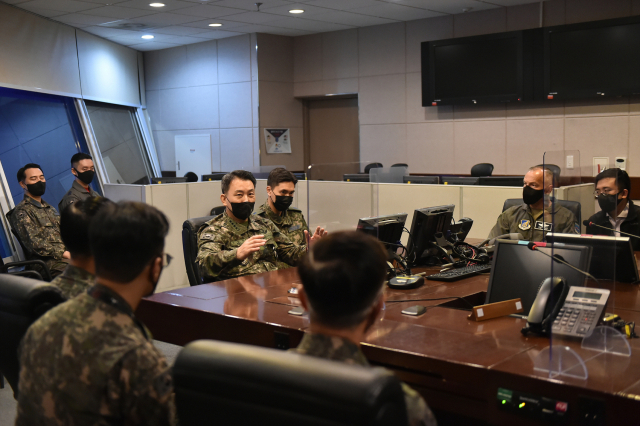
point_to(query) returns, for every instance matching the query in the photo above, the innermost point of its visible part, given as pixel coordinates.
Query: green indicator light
(504, 401)
(521, 405)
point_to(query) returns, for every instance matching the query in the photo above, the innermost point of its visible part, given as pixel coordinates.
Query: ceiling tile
(309, 10)
(340, 4)
(348, 18)
(137, 38)
(395, 11)
(309, 25)
(208, 11)
(104, 2)
(213, 35)
(109, 32)
(118, 12)
(446, 6)
(169, 5)
(145, 47)
(77, 19)
(512, 2)
(68, 6)
(182, 40)
(251, 4)
(15, 1)
(46, 12)
(164, 19)
(179, 30)
(204, 25)
(253, 17)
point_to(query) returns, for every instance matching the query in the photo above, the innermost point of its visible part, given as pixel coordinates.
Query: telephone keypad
(578, 320)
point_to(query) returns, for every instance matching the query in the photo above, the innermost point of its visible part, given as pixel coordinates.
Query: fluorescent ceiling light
(215, 25)
(156, 4)
(296, 11)
(147, 37)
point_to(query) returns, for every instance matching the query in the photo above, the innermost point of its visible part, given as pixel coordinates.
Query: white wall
(202, 88)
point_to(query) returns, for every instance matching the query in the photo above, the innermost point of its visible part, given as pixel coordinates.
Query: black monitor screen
(388, 229)
(476, 67)
(593, 61)
(517, 271)
(426, 223)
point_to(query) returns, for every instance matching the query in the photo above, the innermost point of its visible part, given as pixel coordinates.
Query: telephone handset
(551, 295)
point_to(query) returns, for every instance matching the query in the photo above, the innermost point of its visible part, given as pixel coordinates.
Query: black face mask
(85, 177)
(37, 188)
(608, 203)
(153, 283)
(282, 202)
(531, 196)
(242, 210)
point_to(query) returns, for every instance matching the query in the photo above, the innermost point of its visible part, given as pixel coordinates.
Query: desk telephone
(564, 310)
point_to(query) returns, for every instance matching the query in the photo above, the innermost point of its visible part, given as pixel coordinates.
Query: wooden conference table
(457, 364)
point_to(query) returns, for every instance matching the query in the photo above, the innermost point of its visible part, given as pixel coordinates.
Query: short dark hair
(279, 175)
(79, 157)
(342, 276)
(236, 174)
(74, 224)
(22, 176)
(622, 178)
(125, 237)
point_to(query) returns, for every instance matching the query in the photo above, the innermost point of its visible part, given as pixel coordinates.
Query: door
(193, 154)
(334, 133)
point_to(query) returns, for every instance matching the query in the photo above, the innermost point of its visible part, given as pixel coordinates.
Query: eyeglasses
(166, 259)
(598, 193)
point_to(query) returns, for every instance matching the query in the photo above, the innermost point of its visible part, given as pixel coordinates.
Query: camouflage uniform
(38, 228)
(340, 349)
(519, 219)
(291, 222)
(89, 361)
(76, 193)
(74, 281)
(219, 239)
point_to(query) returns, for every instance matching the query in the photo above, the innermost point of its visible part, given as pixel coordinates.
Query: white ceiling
(182, 22)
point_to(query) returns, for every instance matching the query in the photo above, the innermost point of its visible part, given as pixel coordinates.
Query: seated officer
(342, 279)
(613, 188)
(89, 361)
(236, 242)
(281, 185)
(82, 168)
(37, 223)
(79, 275)
(527, 219)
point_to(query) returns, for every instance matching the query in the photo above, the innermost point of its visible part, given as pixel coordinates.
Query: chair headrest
(195, 223)
(26, 296)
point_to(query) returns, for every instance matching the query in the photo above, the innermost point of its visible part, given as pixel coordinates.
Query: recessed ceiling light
(156, 4)
(147, 37)
(296, 11)
(215, 25)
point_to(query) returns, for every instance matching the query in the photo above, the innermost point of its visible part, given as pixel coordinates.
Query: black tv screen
(594, 59)
(476, 69)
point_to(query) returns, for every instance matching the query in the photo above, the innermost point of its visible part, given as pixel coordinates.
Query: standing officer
(534, 218)
(82, 168)
(237, 243)
(281, 185)
(37, 223)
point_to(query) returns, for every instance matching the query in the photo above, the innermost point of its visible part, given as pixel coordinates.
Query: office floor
(8, 404)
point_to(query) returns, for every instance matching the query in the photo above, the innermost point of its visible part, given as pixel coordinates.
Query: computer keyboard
(460, 273)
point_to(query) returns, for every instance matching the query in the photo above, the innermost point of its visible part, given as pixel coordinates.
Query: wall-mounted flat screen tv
(593, 59)
(473, 70)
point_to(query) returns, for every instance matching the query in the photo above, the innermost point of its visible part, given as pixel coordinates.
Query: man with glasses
(237, 243)
(37, 223)
(535, 216)
(89, 361)
(613, 190)
(84, 171)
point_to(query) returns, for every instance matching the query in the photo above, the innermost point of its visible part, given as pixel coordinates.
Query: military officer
(281, 185)
(237, 243)
(82, 168)
(79, 275)
(89, 361)
(37, 223)
(342, 281)
(534, 218)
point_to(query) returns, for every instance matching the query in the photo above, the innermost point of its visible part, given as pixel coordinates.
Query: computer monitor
(501, 180)
(424, 180)
(213, 176)
(458, 180)
(356, 177)
(426, 223)
(605, 250)
(517, 271)
(388, 229)
(162, 180)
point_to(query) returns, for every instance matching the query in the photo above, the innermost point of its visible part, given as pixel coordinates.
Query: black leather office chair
(400, 165)
(556, 172)
(22, 301)
(372, 166)
(573, 206)
(191, 177)
(482, 169)
(249, 385)
(217, 210)
(190, 229)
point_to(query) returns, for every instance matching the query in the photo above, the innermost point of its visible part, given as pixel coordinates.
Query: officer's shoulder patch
(525, 224)
(206, 236)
